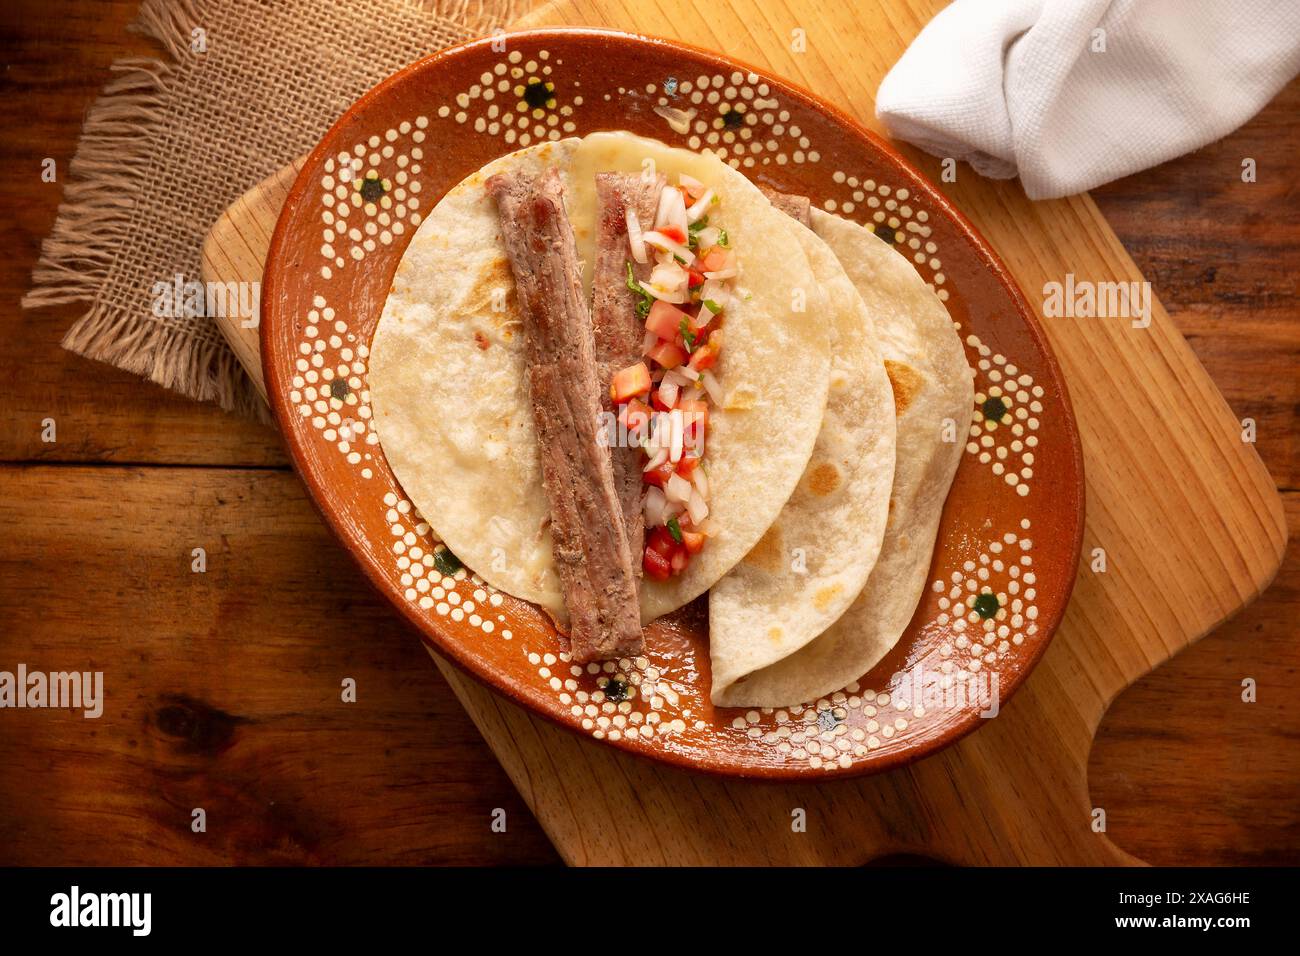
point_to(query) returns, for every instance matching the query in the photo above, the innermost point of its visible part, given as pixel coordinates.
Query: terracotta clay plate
(1010, 535)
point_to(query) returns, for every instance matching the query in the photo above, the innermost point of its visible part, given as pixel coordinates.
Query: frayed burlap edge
(92, 222)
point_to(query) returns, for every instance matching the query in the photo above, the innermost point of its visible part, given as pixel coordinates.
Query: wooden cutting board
(1190, 523)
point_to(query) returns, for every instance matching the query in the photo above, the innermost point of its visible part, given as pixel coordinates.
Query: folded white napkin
(1031, 86)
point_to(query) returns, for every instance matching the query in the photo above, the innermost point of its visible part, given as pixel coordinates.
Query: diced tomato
(664, 320)
(675, 233)
(633, 380)
(667, 354)
(634, 416)
(695, 411)
(687, 464)
(693, 541)
(704, 331)
(694, 277)
(692, 193)
(661, 540)
(658, 400)
(656, 565)
(679, 561)
(658, 476)
(706, 356)
(717, 259)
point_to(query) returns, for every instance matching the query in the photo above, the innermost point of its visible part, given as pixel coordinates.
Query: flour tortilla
(933, 391)
(816, 557)
(453, 417)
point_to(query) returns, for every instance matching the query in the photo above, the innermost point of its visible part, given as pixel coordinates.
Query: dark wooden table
(223, 687)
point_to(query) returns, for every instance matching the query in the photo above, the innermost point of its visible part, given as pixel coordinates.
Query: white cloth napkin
(1017, 86)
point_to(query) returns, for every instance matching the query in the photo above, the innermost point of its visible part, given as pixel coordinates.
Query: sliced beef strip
(618, 330)
(796, 207)
(590, 540)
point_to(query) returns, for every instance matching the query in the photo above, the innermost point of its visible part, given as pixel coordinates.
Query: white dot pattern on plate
(521, 100)
(328, 386)
(991, 604)
(1005, 419)
(370, 195)
(429, 582)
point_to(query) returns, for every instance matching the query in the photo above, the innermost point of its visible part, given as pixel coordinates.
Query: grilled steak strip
(618, 330)
(796, 207)
(590, 541)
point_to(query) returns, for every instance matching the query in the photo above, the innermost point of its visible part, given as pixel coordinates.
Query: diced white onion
(700, 206)
(672, 509)
(668, 391)
(677, 378)
(668, 276)
(677, 297)
(712, 387)
(672, 210)
(659, 241)
(696, 507)
(716, 291)
(654, 506)
(708, 237)
(648, 342)
(658, 458)
(634, 237)
(678, 489)
(700, 481)
(722, 273)
(688, 373)
(678, 426)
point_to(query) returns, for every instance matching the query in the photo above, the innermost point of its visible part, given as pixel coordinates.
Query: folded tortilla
(448, 386)
(816, 557)
(933, 392)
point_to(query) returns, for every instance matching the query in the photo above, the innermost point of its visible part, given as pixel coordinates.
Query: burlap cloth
(171, 143)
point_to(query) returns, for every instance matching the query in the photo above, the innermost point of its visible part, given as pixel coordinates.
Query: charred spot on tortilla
(826, 595)
(767, 553)
(906, 382)
(823, 479)
(481, 340)
(498, 298)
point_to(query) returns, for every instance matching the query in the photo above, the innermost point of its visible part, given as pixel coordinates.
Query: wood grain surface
(1186, 772)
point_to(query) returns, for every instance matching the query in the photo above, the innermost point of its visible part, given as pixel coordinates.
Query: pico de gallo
(663, 401)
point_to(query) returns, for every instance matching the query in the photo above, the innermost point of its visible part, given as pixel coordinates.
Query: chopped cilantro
(722, 238)
(687, 335)
(675, 530)
(712, 306)
(643, 306)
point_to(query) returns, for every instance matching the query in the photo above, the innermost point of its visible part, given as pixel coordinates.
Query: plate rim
(447, 648)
